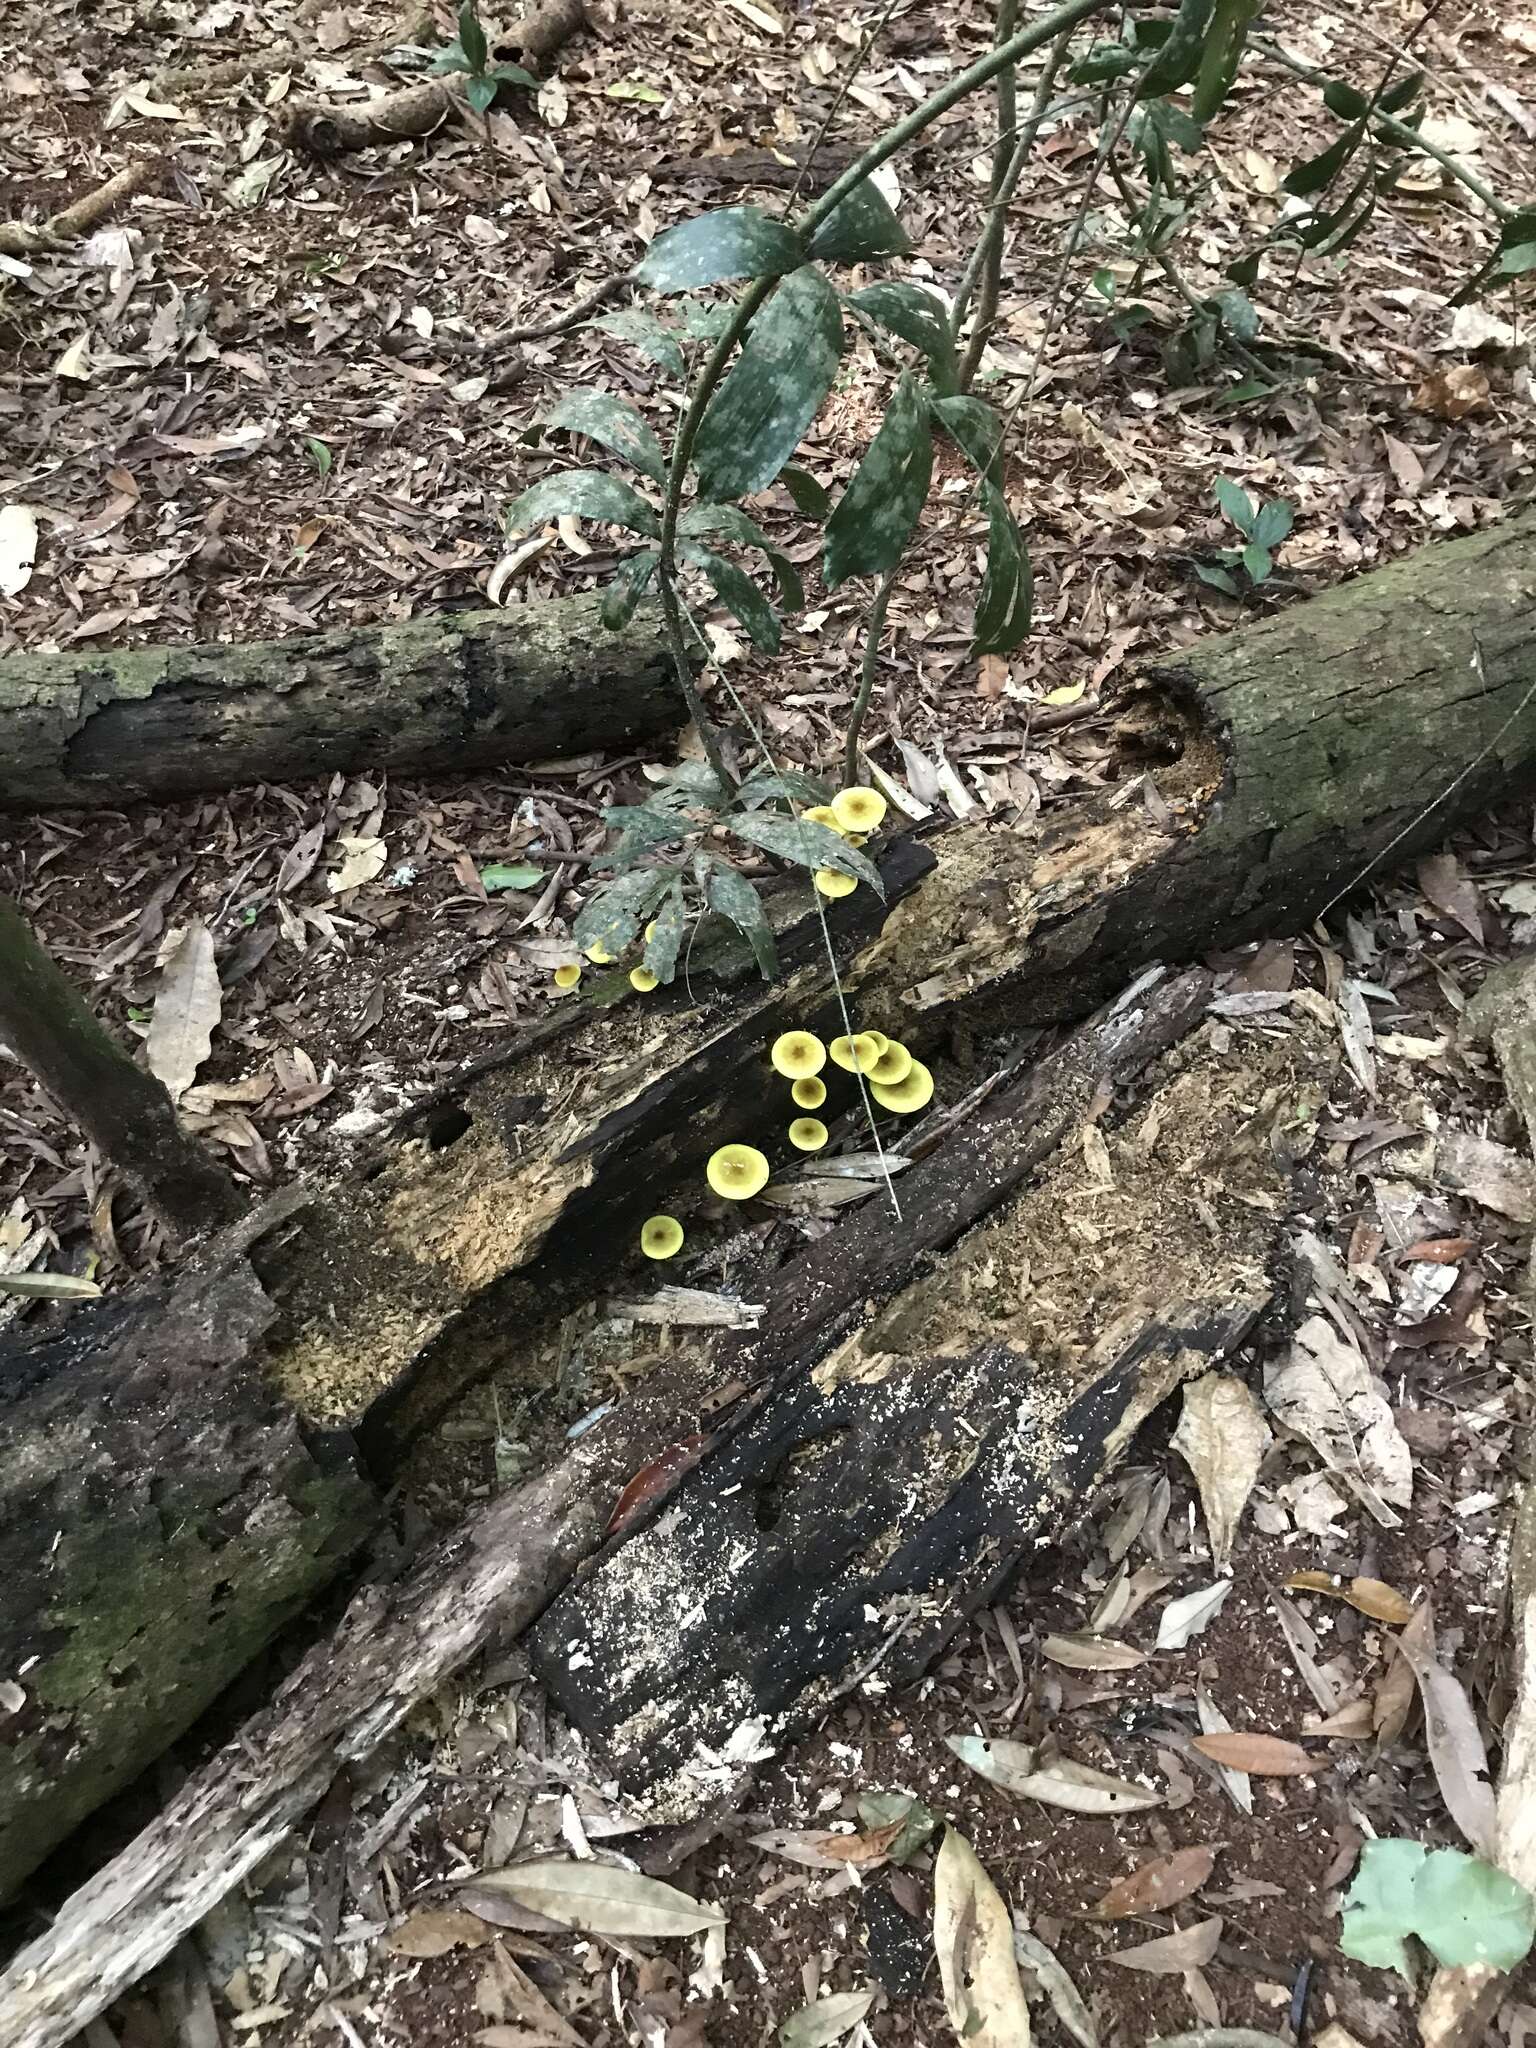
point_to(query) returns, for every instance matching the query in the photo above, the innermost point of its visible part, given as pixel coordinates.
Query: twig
(562, 323)
(85, 214)
(989, 247)
(873, 628)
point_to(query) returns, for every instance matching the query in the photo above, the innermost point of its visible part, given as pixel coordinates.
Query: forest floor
(246, 407)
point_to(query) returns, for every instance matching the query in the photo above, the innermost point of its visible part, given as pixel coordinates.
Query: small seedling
(1263, 526)
(470, 52)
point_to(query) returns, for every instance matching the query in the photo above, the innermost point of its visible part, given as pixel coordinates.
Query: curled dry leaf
(1366, 1596)
(187, 1010)
(1214, 1722)
(599, 1898)
(1303, 1647)
(1154, 1887)
(1050, 1974)
(1323, 1392)
(1451, 393)
(436, 1929)
(973, 1938)
(1222, 1438)
(1092, 1653)
(1172, 1954)
(1451, 1734)
(1190, 1615)
(827, 2020)
(1259, 1756)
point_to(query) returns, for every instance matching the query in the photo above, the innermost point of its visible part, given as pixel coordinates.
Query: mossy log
(447, 691)
(1289, 758)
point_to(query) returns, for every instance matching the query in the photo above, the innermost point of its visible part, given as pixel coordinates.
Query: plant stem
(835, 109)
(988, 253)
(1254, 364)
(873, 627)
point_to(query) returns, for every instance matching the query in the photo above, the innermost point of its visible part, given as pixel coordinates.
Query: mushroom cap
(661, 1237)
(914, 1093)
(643, 979)
(859, 809)
(737, 1172)
(567, 976)
(831, 883)
(796, 1054)
(823, 814)
(892, 1067)
(809, 1093)
(854, 1055)
(807, 1134)
(599, 954)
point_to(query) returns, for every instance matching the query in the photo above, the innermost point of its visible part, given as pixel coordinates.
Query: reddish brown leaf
(1261, 1756)
(1157, 1885)
(1439, 1251)
(655, 1479)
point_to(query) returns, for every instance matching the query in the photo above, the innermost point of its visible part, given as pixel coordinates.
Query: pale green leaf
(497, 876)
(811, 845)
(860, 226)
(917, 318)
(739, 594)
(775, 389)
(584, 494)
(602, 417)
(646, 333)
(736, 241)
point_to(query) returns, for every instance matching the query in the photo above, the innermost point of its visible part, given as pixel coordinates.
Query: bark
(1286, 757)
(332, 129)
(449, 691)
(123, 1110)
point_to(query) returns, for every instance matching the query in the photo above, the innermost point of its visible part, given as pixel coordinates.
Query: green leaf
(1219, 579)
(641, 829)
(611, 916)
(1461, 1908)
(733, 524)
(49, 1286)
(661, 947)
(1517, 261)
(450, 58)
(1236, 504)
(602, 417)
(811, 846)
(1322, 169)
(860, 226)
(472, 36)
(689, 783)
(810, 497)
(498, 877)
(916, 317)
(584, 494)
(1259, 562)
(1006, 605)
(733, 896)
(1272, 523)
(513, 74)
(705, 323)
(646, 333)
(480, 92)
(737, 241)
(1179, 58)
(1403, 94)
(1238, 313)
(739, 594)
(319, 454)
(769, 785)
(775, 389)
(1347, 101)
(875, 517)
(1244, 270)
(974, 427)
(879, 1809)
(1222, 55)
(627, 588)
(1104, 63)
(634, 89)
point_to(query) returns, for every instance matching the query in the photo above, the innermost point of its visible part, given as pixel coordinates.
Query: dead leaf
(1451, 393)
(363, 862)
(1303, 1646)
(1453, 893)
(1490, 1173)
(434, 1930)
(1367, 1596)
(1154, 1887)
(1256, 1756)
(1405, 464)
(1172, 1954)
(973, 1938)
(1092, 1653)
(1192, 1615)
(1451, 1734)
(599, 1898)
(1050, 1974)
(187, 1010)
(1323, 1392)
(1223, 1439)
(826, 2021)
(991, 675)
(18, 548)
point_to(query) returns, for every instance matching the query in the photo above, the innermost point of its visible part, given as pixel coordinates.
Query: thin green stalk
(1170, 269)
(843, 90)
(873, 628)
(989, 246)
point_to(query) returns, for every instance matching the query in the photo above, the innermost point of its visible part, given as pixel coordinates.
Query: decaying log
(87, 212)
(447, 691)
(1286, 758)
(893, 1485)
(333, 128)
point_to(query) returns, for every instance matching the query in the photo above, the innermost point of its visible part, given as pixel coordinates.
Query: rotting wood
(879, 1494)
(519, 1193)
(449, 691)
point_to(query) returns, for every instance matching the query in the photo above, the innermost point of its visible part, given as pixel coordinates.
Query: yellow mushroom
(797, 1054)
(858, 809)
(599, 954)
(914, 1093)
(854, 1055)
(809, 1093)
(831, 883)
(643, 979)
(567, 977)
(661, 1237)
(823, 814)
(892, 1067)
(737, 1172)
(879, 1037)
(650, 931)
(807, 1134)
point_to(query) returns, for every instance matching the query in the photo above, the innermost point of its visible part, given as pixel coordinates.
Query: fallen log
(448, 691)
(1287, 759)
(87, 212)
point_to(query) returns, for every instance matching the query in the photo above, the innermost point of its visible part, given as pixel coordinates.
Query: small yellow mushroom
(855, 1055)
(807, 1134)
(599, 954)
(823, 814)
(809, 1093)
(879, 1037)
(831, 883)
(650, 931)
(797, 1054)
(661, 1237)
(892, 1067)
(642, 979)
(856, 839)
(737, 1172)
(914, 1093)
(567, 977)
(858, 809)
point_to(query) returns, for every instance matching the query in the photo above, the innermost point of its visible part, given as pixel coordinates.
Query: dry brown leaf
(1453, 893)
(973, 1938)
(1367, 1596)
(434, 1930)
(1172, 1954)
(1155, 1886)
(1451, 1735)
(1257, 1756)
(1355, 1722)
(1222, 1438)
(1322, 1390)
(1394, 1697)
(1489, 1172)
(187, 1010)
(1092, 1653)
(1451, 393)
